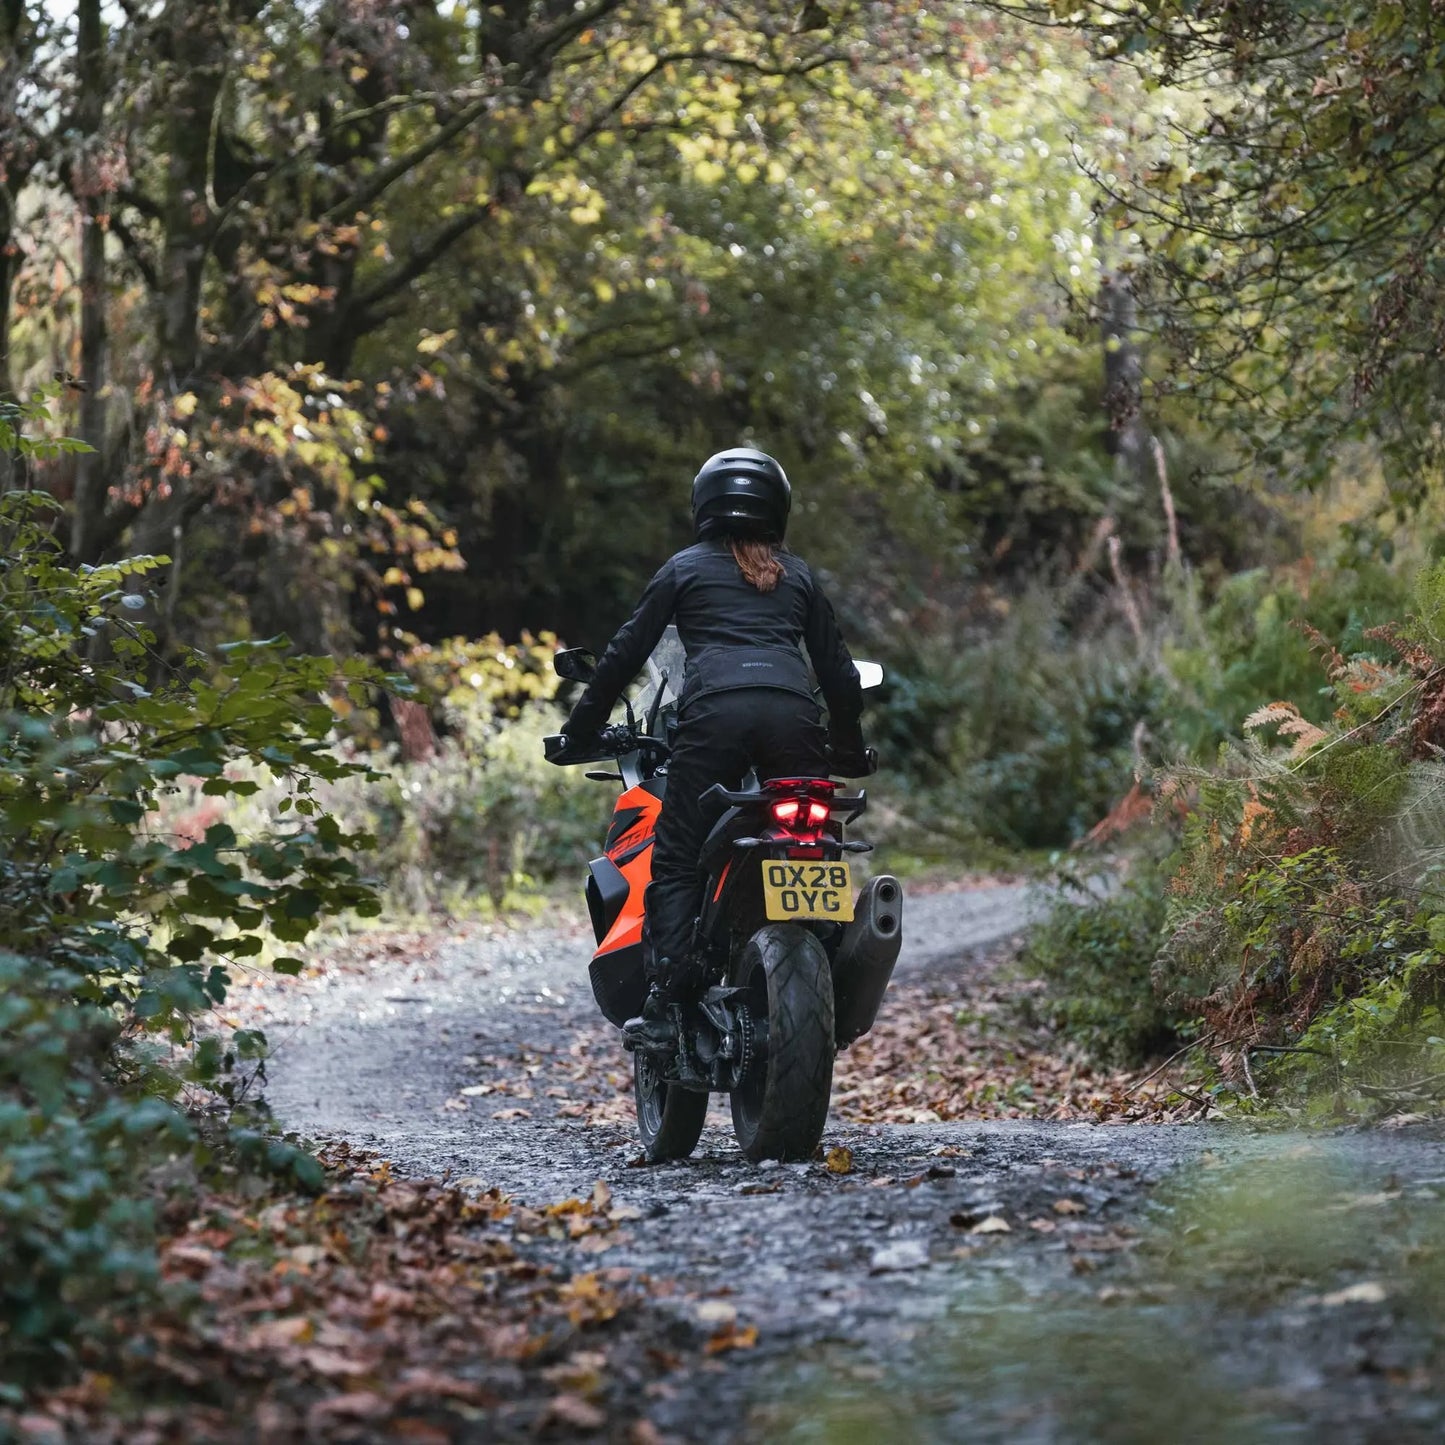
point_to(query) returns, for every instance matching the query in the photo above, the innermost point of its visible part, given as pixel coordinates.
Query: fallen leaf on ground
(716, 1312)
(839, 1160)
(994, 1224)
(924, 1060)
(274, 1334)
(732, 1338)
(1367, 1292)
(1070, 1206)
(575, 1411)
(418, 1432)
(357, 1405)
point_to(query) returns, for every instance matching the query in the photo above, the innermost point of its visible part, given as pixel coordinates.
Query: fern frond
(1410, 651)
(1304, 732)
(1364, 674)
(1333, 659)
(1272, 712)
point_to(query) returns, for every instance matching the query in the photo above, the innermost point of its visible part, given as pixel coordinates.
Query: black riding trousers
(720, 736)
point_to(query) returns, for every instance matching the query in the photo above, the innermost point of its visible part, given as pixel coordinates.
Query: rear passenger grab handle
(745, 797)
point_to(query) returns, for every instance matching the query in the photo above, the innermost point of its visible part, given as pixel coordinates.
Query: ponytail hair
(757, 561)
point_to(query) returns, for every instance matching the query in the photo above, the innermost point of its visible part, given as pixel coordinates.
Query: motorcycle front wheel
(781, 1106)
(669, 1118)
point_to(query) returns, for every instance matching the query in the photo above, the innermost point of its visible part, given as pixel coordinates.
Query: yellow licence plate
(794, 891)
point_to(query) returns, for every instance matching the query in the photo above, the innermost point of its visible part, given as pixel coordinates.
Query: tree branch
(382, 179)
(420, 260)
(135, 249)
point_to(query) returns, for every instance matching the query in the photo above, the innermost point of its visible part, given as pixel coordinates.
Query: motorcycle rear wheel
(669, 1118)
(780, 1108)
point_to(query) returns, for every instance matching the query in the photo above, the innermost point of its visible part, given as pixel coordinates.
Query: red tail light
(799, 816)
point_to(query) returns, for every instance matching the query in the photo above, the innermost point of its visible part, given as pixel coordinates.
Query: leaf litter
(945, 1050)
(407, 1310)
(383, 1308)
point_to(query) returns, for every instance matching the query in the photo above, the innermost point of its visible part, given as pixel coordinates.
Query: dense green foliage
(459, 815)
(1097, 956)
(117, 934)
(454, 283)
(1251, 642)
(1021, 730)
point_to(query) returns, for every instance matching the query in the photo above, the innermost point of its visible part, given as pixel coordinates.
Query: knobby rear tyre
(780, 1109)
(669, 1118)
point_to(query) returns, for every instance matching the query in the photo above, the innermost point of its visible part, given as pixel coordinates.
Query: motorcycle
(795, 965)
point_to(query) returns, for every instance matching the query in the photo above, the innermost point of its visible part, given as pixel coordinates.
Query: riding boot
(669, 917)
(654, 1030)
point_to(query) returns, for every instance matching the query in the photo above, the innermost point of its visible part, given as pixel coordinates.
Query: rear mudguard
(863, 964)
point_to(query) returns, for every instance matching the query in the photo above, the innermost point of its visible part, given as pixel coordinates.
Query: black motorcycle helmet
(744, 492)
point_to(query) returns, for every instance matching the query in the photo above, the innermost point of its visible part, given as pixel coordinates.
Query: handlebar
(618, 740)
(612, 742)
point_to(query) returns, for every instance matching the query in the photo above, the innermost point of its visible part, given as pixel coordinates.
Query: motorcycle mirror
(576, 664)
(870, 674)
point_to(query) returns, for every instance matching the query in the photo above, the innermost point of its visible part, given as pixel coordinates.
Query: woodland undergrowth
(1306, 920)
(116, 1090)
(1287, 922)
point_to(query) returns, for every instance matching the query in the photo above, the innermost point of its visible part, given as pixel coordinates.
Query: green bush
(1097, 957)
(480, 821)
(117, 934)
(1253, 643)
(1021, 733)
(484, 820)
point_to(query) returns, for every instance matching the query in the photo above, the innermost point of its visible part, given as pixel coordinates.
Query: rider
(743, 606)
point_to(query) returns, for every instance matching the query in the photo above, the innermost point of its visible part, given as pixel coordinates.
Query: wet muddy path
(995, 1280)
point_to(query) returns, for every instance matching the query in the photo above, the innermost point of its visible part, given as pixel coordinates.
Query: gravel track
(845, 1276)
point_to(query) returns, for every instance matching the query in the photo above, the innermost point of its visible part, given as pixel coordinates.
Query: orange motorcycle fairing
(616, 890)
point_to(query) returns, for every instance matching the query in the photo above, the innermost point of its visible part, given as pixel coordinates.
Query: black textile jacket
(734, 636)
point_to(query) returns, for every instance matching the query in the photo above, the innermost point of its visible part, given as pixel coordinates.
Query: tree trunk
(14, 166)
(1128, 437)
(7, 282)
(197, 36)
(91, 482)
(9, 475)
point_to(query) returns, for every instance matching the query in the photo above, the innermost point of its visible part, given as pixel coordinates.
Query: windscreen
(664, 671)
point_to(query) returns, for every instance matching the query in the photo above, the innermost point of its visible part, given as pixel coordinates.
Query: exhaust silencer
(864, 961)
